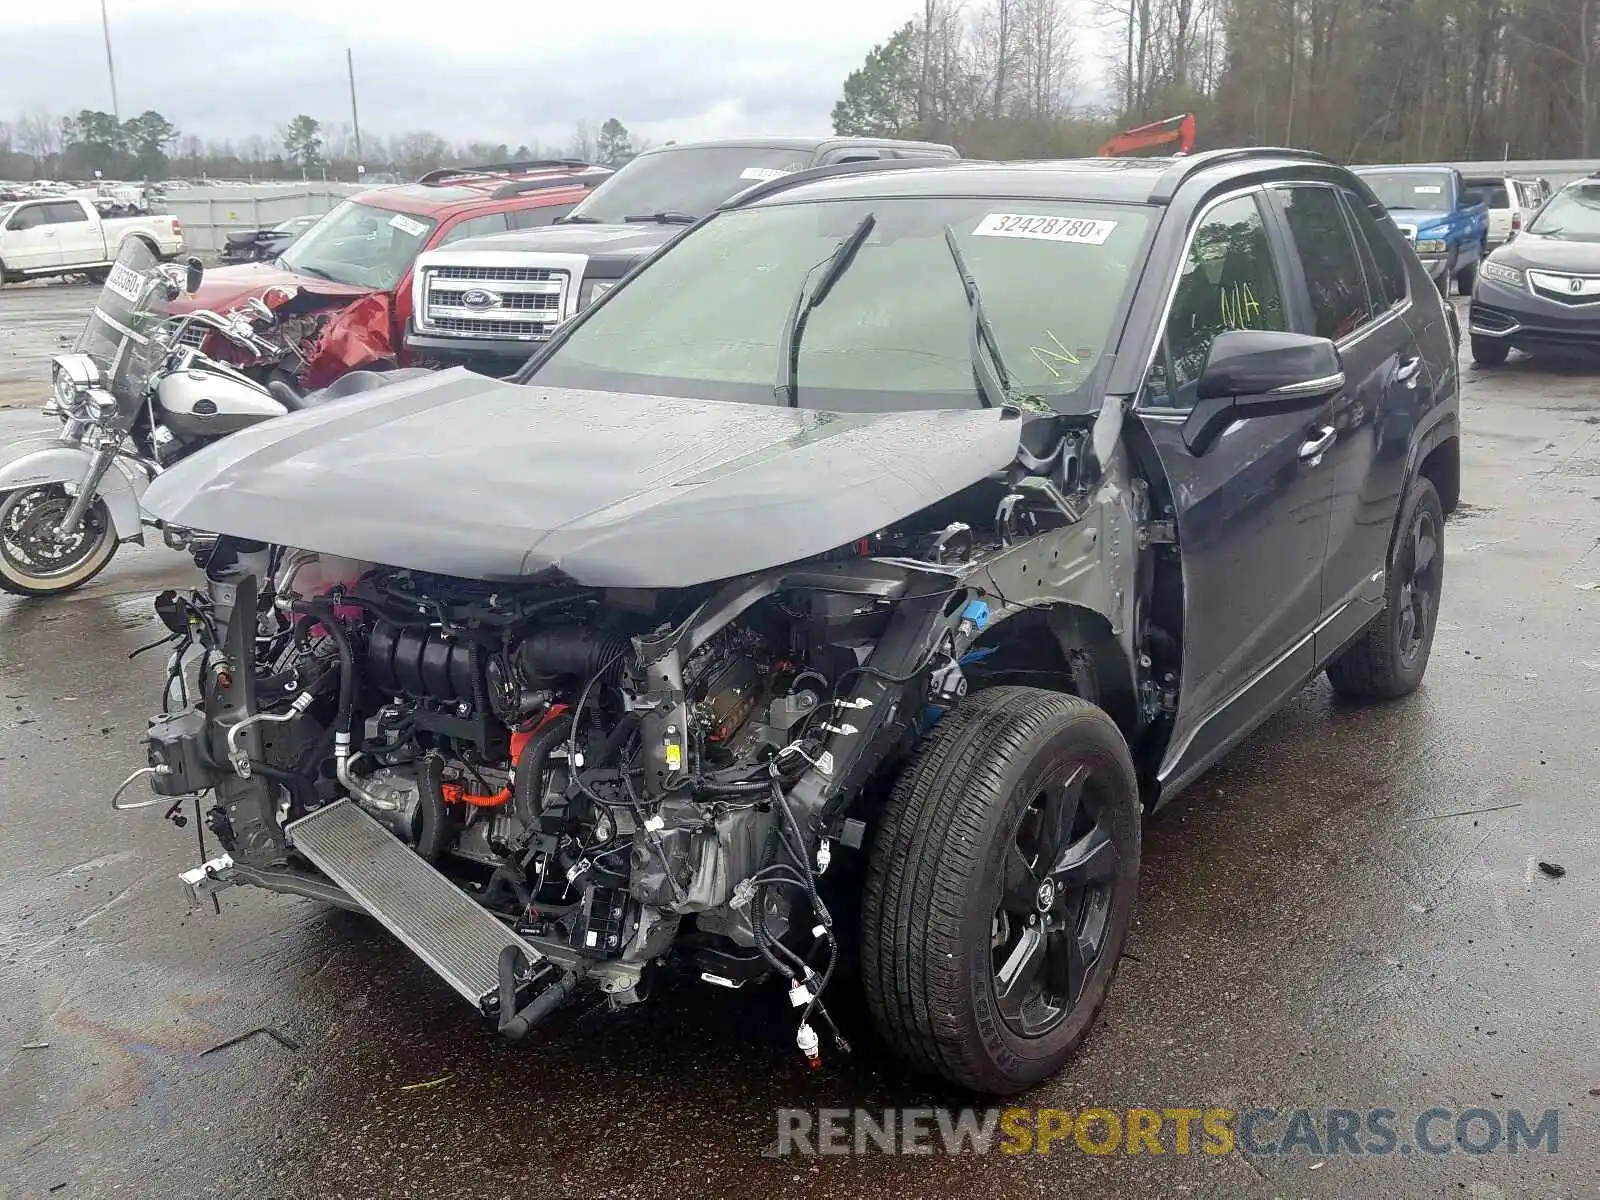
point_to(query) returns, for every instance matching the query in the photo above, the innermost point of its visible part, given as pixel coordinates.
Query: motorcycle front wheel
(33, 560)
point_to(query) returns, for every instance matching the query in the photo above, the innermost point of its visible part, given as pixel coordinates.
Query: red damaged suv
(341, 294)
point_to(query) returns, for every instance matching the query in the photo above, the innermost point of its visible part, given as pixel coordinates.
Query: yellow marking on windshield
(1056, 352)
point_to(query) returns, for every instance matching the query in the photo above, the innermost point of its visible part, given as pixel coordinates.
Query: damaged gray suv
(928, 523)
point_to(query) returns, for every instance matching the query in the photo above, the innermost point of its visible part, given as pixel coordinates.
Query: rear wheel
(33, 560)
(1389, 659)
(1489, 352)
(1000, 888)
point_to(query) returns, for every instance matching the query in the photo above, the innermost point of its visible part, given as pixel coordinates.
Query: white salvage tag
(762, 173)
(1428, 189)
(1084, 230)
(408, 226)
(124, 281)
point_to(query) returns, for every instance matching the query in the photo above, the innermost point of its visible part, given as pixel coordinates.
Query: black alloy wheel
(1055, 902)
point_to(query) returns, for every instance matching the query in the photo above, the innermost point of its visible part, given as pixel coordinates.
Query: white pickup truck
(64, 235)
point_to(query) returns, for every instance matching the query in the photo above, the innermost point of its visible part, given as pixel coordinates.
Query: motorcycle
(135, 396)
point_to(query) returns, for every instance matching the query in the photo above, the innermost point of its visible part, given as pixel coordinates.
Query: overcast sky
(493, 70)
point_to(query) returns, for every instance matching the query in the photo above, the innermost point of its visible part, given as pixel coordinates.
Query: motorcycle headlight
(1501, 273)
(71, 376)
(1432, 246)
(102, 404)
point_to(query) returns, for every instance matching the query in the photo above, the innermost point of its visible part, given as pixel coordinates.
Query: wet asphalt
(1348, 912)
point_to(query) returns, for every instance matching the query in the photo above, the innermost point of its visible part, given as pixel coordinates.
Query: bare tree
(38, 135)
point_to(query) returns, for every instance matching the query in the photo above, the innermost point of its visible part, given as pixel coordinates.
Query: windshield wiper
(317, 271)
(807, 301)
(577, 219)
(994, 380)
(661, 218)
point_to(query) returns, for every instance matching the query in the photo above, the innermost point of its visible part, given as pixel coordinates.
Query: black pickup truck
(488, 302)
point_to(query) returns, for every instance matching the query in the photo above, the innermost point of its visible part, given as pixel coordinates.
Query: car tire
(1489, 352)
(957, 975)
(1390, 657)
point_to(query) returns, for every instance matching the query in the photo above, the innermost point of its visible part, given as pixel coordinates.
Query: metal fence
(210, 213)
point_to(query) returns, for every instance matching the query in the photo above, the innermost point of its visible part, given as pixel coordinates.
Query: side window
(1228, 281)
(1389, 282)
(536, 218)
(475, 227)
(64, 214)
(29, 218)
(1339, 301)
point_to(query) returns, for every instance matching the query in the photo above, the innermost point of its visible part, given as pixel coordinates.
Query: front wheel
(1489, 352)
(33, 560)
(1000, 888)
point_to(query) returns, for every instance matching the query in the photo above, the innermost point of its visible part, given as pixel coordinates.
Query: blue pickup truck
(1440, 215)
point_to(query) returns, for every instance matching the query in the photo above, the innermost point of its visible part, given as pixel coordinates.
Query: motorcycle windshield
(121, 334)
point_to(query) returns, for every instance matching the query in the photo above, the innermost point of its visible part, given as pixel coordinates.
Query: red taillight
(1516, 220)
(177, 227)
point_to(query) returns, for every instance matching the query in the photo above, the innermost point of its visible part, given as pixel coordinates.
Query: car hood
(473, 477)
(1421, 218)
(223, 288)
(620, 245)
(1550, 254)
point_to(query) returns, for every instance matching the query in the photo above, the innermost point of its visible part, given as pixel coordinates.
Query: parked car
(1541, 292)
(68, 236)
(489, 301)
(263, 245)
(1445, 220)
(1511, 202)
(349, 277)
(839, 530)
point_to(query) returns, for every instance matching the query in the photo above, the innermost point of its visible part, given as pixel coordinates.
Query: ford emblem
(477, 298)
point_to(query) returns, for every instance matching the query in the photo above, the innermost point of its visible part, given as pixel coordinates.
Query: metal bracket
(207, 878)
(1158, 533)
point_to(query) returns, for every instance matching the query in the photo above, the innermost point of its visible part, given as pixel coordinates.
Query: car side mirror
(1258, 373)
(193, 271)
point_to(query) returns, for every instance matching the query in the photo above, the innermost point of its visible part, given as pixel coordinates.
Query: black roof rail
(862, 166)
(445, 174)
(1179, 172)
(544, 182)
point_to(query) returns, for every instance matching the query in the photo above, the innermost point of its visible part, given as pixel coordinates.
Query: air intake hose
(577, 652)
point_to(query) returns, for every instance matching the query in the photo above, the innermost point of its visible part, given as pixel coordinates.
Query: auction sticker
(762, 173)
(408, 226)
(1083, 230)
(125, 282)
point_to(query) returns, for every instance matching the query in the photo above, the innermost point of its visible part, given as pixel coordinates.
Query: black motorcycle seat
(345, 385)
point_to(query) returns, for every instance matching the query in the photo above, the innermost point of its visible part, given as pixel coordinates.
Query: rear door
(1350, 270)
(30, 242)
(78, 238)
(1251, 512)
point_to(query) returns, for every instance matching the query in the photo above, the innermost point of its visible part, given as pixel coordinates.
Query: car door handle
(1315, 446)
(1407, 374)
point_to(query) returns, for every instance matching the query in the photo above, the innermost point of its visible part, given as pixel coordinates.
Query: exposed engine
(623, 777)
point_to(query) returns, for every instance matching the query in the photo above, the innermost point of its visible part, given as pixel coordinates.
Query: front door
(1252, 511)
(78, 239)
(30, 241)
